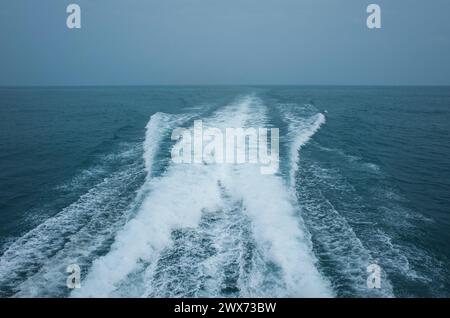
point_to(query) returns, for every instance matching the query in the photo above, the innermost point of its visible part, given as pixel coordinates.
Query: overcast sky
(146, 42)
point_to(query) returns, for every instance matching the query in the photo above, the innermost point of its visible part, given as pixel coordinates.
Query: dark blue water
(86, 178)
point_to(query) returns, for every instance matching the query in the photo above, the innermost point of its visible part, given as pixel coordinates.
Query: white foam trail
(163, 209)
(158, 124)
(276, 226)
(304, 130)
(180, 197)
(170, 204)
(278, 231)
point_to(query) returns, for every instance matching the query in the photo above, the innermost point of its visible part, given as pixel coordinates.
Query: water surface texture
(86, 177)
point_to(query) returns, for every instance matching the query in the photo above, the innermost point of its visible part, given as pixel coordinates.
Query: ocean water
(86, 177)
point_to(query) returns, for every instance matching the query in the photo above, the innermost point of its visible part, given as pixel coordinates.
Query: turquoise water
(86, 178)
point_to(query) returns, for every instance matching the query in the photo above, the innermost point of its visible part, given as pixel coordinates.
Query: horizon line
(219, 85)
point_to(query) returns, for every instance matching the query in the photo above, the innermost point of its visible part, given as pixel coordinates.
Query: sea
(87, 178)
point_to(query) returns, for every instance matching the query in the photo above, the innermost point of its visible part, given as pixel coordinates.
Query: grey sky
(128, 42)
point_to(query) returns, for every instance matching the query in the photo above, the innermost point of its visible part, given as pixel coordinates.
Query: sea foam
(183, 195)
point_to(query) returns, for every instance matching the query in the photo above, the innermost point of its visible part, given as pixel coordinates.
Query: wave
(304, 130)
(158, 125)
(203, 230)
